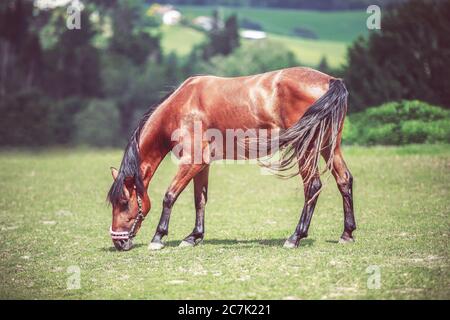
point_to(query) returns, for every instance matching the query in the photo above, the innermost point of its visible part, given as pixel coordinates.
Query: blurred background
(69, 99)
(89, 86)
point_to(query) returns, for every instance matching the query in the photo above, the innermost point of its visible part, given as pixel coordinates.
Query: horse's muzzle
(122, 240)
(123, 245)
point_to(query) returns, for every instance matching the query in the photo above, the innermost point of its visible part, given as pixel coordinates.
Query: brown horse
(306, 106)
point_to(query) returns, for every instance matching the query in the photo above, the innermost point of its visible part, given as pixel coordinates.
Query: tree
(20, 50)
(97, 124)
(408, 59)
(172, 75)
(252, 58)
(133, 47)
(323, 65)
(132, 32)
(73, 63)
(222, 39)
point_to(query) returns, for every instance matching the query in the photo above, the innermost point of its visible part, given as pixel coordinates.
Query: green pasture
(54, 220)
(335, 31)
(310, 52)
(342, 26)
(180, 39)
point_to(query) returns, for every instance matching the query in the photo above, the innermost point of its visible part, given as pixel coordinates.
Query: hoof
(289, 245)
(185, 243)
(346, 240)
(155, 246)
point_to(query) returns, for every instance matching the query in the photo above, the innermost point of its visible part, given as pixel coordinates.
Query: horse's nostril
(123, 245)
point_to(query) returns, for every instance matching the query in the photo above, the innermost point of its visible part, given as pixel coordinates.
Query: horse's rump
(318, 129)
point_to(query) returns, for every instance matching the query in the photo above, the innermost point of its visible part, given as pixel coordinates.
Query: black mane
(130, 166)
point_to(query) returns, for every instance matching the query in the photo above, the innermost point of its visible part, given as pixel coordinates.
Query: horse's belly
(241, 144)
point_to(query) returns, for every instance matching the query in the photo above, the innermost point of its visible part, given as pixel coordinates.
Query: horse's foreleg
(184, 175)
(200, 198)
(311, 190)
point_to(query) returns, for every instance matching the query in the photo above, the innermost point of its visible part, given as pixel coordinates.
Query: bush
(397, 123)
(25, 119)
(439, 131)
(387, 134)
(62, 120)
(392, 112)
(414, 131)
(98, 124)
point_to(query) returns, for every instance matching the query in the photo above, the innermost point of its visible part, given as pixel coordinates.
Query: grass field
(341, 26)
(335, 31)
(53, 216)
(181, 39)
(310, 52)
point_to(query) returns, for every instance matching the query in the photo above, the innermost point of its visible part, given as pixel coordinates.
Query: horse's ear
(114, 173)
(128, 185)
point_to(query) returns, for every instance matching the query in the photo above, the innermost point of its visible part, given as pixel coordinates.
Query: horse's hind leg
(311, 189)
(200, 197)
(344, 180)
(184, 175)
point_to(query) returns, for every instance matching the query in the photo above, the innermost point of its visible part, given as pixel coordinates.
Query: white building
(171, 17)
(168, 14)
(253, 34)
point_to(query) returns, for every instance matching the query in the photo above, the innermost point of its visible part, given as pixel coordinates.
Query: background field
(342, 26)
(335, 30)
(53, 215)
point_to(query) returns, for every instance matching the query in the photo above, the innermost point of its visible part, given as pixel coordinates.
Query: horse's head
(129, 208)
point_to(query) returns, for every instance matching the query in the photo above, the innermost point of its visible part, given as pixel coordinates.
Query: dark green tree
(173, 74)
(323, 65)
(133, 47)
(20, 50)
(223, 38)
(73, 63)
(408, 59)
(248, 60)
(132, 36)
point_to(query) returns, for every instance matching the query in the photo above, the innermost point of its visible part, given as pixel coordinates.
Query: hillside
(333, 31)
(342, 26)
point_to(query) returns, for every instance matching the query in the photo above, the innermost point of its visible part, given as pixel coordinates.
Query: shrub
(414, 131)
(387, 134)
(25, 119)
(393, 112)
(349, 133)
(439, 131)
(62, 120)
(401, 122)
(98, 124)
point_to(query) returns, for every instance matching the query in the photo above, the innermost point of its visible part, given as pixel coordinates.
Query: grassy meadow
(334, 31)
(342, 26)
(54, 217)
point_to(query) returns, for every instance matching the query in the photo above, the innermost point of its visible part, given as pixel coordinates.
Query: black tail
(316, 130)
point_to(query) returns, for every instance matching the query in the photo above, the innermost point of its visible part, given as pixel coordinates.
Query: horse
(306, 106)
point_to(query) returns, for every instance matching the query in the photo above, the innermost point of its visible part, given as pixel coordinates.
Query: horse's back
(272, 99)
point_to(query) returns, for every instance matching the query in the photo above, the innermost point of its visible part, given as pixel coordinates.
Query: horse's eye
(123, 204)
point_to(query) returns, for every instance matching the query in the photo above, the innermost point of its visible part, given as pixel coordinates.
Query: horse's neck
(152, 149)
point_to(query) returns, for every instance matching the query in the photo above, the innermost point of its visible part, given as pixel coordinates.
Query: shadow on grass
(113, 249)
(231, 243)
(245, 243)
